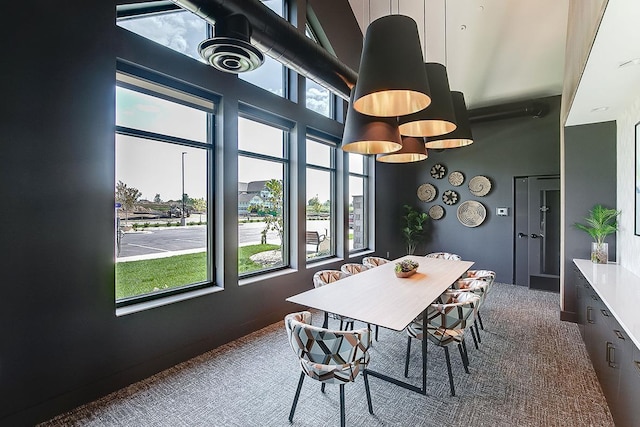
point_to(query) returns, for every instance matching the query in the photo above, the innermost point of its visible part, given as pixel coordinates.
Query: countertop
(619, 289)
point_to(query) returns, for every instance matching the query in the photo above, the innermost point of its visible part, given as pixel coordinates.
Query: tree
(275, 201)
(314, 204)
(157, 199)
(127, 197)
(199, 205)
(413, 229)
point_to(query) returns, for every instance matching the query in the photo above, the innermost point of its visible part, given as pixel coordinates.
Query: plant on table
(405, 266)
(600, 223)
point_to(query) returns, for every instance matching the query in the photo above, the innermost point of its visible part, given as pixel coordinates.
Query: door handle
(521, 235)
(535, 236)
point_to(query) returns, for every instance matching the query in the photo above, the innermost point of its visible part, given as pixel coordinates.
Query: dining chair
(446, 323)
(351, 268)
(373, 261)
(323, 277)
(328, 356)
(444, 255)
(488, 276)
(478, 287)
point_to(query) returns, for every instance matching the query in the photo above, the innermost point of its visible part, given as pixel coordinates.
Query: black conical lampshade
(462, 135)
(392, 80)
(413, 150)
(368, 134)
(439, 118)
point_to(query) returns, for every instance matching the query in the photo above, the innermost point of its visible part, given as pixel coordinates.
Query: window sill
(323, 262)
(362, 253)
(147, 305)
(266, 276)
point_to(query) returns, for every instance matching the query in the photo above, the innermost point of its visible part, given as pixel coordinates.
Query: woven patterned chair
(444, 255)
(351, 268)
(446, 323)
(323, 277)
(477, 287)
(488, 276)
(328, 356)
(373, 261)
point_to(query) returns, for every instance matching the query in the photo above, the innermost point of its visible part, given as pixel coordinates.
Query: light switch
(502, 211)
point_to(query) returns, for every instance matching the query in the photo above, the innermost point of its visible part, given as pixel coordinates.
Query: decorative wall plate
(436, 212)
(471, 213)
(427, 192)
(479, 186)
(450, 197)
(456, 178)
(438, 171)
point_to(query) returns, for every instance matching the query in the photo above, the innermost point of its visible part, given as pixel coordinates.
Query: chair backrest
(486, 275)
(456, 311)
(476, 286)
(373, 261)
(351, 268)
(444, 255)
(323, 353)
(323, 277)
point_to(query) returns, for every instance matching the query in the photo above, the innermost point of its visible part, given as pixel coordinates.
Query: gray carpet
(531, 370)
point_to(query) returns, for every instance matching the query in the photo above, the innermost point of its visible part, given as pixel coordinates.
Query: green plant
(413, 227)
(600, 223)
(405, 266)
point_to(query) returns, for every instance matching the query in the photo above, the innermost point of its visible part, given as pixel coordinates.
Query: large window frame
(164, 88)
(355, 172)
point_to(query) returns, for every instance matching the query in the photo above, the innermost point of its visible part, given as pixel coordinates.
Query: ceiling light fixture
(413, 150)
(439, 118)
(392, 80)
(634, 61)
(460, 137)
(599, 109)
(365, 134)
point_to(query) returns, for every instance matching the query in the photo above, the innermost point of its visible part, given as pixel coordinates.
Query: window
(320, 200)
(319, 99)
(271, 74)
(179, 30)
(262, 197)
(358, 202)
(164, 149)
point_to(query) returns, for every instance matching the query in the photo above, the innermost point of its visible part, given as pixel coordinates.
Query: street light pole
(183, 220)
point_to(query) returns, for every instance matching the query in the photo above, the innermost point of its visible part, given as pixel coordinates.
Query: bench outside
(315, 238)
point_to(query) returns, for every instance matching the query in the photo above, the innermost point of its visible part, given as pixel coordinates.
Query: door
(537, 232)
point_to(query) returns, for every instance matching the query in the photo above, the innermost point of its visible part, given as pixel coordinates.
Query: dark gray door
(537, 232)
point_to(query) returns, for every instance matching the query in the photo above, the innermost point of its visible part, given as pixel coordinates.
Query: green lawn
(142, 277)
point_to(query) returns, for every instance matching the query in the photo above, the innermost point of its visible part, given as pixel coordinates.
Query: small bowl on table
(405, 268)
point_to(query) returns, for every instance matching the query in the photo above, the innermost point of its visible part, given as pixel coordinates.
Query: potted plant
(413, 230)
(600, 223)
(405, 268)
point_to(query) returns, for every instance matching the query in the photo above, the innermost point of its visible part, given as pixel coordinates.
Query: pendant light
(460, 137)
(392, 80)
(368, 134)
(413, 150)
(439, 118)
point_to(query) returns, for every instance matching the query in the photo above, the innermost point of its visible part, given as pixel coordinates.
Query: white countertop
(619, 289)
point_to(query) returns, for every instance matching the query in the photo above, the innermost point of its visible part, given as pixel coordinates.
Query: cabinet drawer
(626, 411)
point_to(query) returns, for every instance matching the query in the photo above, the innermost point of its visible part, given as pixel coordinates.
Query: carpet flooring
(531, 370)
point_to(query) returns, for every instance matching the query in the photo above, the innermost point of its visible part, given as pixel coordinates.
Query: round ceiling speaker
(231, 50)
(231, 55)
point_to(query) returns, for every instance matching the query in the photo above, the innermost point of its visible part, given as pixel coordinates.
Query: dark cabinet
(615, 358)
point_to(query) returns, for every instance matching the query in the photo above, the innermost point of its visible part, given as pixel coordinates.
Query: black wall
(590, 179)
(502, 150)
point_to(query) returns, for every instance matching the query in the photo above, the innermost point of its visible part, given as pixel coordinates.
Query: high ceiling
(496, 51)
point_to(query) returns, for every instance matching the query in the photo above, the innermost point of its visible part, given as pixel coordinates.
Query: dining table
(376, 296)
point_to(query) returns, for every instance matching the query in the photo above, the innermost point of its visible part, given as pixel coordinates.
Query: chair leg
(475, 323)
(465, 362)
(446, 355)
(322, 387)
(406, 362)
(376, 332)
(466, 353)
(325, 324)
(367, 390)
(473, 335)
(295, 399)
(342, 422)
(341, 322)
(480, 319)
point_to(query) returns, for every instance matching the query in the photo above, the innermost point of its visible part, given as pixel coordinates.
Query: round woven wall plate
(436, 212)
(427, 192)
(456, 178)
(450, 197)
(471, 213)
(479, 186)
(438, 171)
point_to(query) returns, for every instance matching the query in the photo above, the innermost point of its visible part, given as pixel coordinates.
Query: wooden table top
(378, 297)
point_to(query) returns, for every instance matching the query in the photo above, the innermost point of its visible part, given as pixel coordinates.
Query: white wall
(628, 243)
